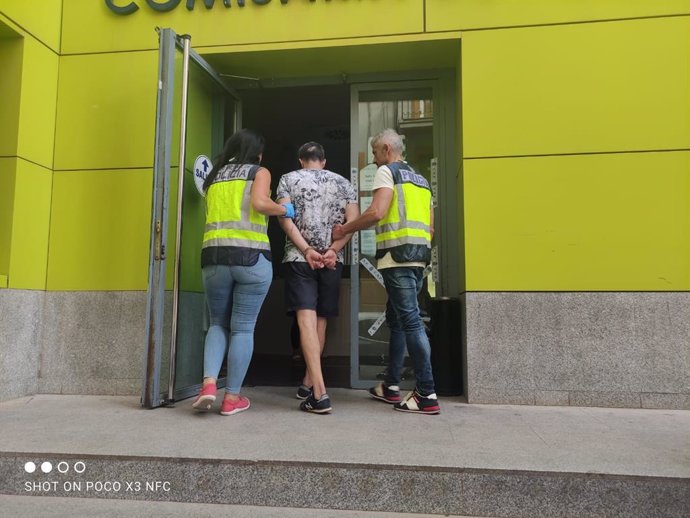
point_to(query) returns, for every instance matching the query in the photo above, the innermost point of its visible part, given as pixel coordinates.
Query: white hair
(390, 137)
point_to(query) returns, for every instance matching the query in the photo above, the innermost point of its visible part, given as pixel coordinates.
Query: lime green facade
(30, 44)
(574, 131)
(570, 143)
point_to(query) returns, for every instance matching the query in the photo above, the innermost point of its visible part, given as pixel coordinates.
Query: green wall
(576, 143)
(41, 19)
(574, 133)
(29, 45)
(11, 50)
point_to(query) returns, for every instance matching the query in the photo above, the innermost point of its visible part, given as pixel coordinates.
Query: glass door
(410, 108)
(195, 111)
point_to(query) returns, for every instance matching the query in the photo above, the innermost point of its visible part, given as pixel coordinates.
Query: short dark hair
(311, 151)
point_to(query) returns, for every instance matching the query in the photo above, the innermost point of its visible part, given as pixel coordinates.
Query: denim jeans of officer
(406, 327)
(234, 295)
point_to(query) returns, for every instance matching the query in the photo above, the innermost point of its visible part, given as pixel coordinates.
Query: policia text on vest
(235, 232)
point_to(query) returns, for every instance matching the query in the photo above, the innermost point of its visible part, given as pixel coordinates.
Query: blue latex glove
(289, 210)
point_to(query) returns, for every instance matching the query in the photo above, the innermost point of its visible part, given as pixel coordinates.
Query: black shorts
(312, 289)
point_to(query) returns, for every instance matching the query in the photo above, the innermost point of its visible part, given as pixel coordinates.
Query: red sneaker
(206, 397)
(233, 407)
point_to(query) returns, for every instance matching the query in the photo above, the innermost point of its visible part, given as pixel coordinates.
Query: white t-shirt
(320, 198)
(384, 179)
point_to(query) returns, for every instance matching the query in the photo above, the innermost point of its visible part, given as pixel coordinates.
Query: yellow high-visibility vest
(405, 230)
(230, 218)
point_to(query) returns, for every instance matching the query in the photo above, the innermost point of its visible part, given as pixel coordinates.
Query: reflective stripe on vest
(408, 220)
(230, 218)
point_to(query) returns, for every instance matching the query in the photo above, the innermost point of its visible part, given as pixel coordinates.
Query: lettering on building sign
(163, 6)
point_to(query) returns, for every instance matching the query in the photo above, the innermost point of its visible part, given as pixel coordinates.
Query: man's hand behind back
(330, 258)
(314, 259)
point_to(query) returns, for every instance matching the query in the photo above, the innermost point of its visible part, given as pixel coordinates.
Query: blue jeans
(234, 295)
(406, 327)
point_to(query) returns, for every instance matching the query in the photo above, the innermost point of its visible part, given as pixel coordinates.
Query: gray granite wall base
(89, 342)
(20, 328)
(361, 487)
(92, 342)
(627, 350)
(583, 349)
(84, 342)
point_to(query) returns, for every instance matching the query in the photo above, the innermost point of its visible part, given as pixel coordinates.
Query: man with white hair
(402, 213)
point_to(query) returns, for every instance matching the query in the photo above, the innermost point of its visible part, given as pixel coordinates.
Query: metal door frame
(445, 94)
(446, 221)
(169, 43)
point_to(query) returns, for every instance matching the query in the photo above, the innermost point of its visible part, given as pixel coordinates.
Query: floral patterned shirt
(320, 198)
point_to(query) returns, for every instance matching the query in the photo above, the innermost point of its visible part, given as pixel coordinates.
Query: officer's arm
(376, 211)
(261, 201)
(351, 213)
(431, 219)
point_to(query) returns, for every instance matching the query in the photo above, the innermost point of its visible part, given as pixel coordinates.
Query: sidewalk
(361, 433)
(360, 430)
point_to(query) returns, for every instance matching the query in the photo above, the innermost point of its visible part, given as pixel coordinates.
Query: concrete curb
(361, 487)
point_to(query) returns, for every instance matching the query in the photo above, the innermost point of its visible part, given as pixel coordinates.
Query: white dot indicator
(29, 467)
(79, 467)
(46, 467)
(63, 467)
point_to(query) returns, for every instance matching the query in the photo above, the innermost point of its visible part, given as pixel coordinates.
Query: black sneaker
(415, 403)
(387, 394)
(303, 392)
(322, 406)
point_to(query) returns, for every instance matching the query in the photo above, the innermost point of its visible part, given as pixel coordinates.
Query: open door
(411, 108)
(195, 112)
